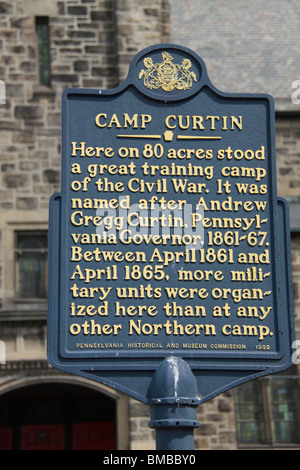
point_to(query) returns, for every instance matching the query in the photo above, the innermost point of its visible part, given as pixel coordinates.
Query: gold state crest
(166, 74)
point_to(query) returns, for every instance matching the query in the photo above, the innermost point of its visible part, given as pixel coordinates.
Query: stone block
(23, 23)
(77, 10)
(81, 65)
(81, 34)
(29, 112)
(65, 78)
(101, 15)
(13, 180)
(224, 406)
(103, 71)
(6, 8)
(27, 203)
(51, 176)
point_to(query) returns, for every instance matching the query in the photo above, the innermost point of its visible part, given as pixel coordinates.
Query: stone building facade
(90, 44)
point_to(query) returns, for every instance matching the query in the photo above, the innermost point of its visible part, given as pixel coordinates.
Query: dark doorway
(57, 417)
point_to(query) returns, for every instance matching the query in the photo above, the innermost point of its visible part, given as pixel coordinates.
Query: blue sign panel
(168, 238)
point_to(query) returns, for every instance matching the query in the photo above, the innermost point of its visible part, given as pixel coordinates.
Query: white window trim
(10, 223)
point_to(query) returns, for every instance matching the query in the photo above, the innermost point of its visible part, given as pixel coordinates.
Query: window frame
(10, 222)
(42, 27)
(17, 250)
(268, 420)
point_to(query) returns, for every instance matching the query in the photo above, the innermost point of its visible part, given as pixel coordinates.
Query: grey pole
(174, 399)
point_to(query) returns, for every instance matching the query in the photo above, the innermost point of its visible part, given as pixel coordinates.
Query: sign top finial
(166, 74)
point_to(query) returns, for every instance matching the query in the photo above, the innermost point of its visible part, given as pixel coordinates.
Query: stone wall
(91, 45)
(217, 424)
(216, 430)
(288, 186)
(141, 436)
(296, 279)
(288, 156)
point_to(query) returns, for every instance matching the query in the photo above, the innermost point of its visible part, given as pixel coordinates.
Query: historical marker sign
(168, 238)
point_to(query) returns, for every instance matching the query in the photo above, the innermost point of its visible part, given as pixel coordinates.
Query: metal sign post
(169, 269)
(174, 399)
